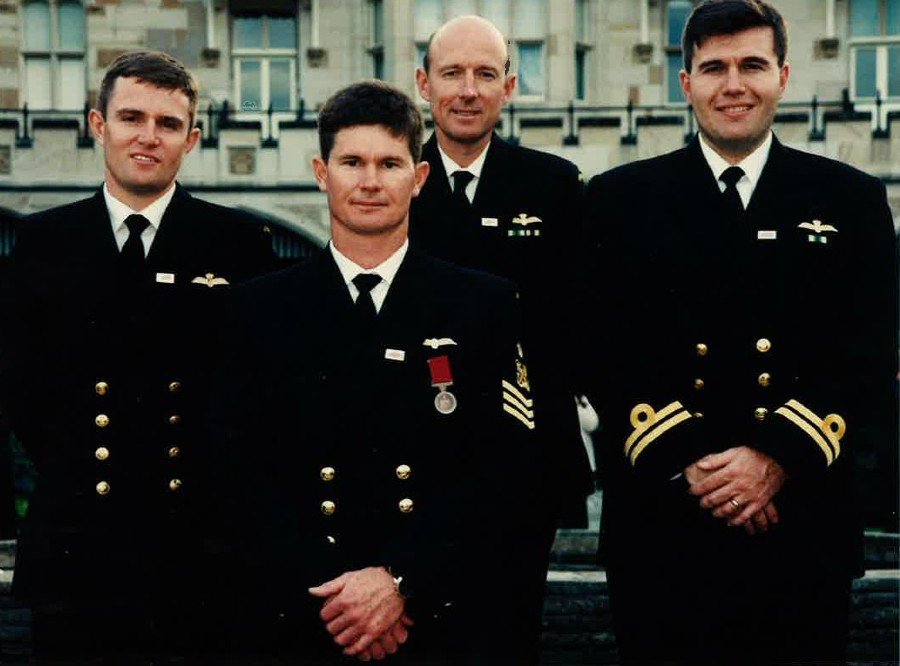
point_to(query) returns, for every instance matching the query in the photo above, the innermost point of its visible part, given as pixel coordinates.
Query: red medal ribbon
(440, 371)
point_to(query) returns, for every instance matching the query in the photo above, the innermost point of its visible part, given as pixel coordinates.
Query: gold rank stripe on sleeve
(649, 424)
(517, 405)
(826, 433)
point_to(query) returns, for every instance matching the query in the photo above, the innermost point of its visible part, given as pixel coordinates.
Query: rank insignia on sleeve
(522, 375)
(818, 231)
(210, 280)
(517, 400)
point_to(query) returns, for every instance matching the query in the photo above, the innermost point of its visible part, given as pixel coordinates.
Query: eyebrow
(749, 60)
(138, 112)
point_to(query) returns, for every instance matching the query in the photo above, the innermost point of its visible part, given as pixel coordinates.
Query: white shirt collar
(118, 211)
(387, 269)
(474, 168)
(752, 166)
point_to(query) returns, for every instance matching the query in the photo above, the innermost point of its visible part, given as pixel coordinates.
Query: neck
(135, 200)
(462, 153)
(368, 251)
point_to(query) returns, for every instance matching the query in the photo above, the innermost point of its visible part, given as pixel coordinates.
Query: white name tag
(766, 234)
(395, 354)
(166, 278)
(489, 222)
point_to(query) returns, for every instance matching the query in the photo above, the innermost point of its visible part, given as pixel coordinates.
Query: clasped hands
(738, 485)
(364, 613)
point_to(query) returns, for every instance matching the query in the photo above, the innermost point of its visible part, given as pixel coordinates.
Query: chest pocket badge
(523, 222)
(818, 231)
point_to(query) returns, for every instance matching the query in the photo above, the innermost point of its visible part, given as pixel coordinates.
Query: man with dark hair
(515, 212)
(751, 364)
(374, 466)
(105, 352)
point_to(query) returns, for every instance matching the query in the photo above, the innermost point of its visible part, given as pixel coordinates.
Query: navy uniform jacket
(776, 332)
(523, 224)
(339, 459)
(103, 381)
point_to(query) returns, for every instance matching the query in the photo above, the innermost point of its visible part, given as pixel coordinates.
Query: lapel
(494, 176)
(94, 232)
(174, 243)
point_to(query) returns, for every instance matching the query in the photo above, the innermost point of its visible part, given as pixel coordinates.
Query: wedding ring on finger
(734, 503)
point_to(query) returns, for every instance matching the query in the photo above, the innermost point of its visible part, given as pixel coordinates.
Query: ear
(97, 123)
(422, 84)
(509, 86)
(422, 170)
(685, 80)
(783, 75)
(320, 169)
(191, 141)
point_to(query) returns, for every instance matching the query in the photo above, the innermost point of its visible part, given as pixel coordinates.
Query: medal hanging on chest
(441, 377)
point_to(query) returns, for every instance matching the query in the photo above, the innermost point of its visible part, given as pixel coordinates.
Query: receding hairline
(472, 19)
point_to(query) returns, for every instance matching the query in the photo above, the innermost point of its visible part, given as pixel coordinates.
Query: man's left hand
(737, 483)
(361, 606)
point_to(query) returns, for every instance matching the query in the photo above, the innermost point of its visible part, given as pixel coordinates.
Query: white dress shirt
(752, 166)
(118, 211)
(474, 168)
(386, 270)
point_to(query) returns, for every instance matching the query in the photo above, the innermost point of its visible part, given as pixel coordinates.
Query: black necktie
(132, 255)
(460, 180)
(365, 306)
(733, 203)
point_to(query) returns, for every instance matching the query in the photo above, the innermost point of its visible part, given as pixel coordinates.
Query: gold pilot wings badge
(818, 231)
(210, 280)
(434, 343)
(524, 220)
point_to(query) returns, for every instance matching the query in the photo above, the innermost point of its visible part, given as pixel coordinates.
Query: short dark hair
(154, 67)
(426, 63)
(727, 17)
(371, 102)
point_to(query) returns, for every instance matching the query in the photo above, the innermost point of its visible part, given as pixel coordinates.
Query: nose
(369, 179)
(734, 83)
(468, 89)
(147, 133)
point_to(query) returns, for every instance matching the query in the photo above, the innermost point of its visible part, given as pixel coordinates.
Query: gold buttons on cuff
(174, 451)
(763, 345)
(699, 383)
(328, 507)
(175, 484)
(702, 349)
(764, 379)
(174, 387)
(405, 505)
(760, 413)
(697, 415)
(403, 472)
(175, 419)
(331, 540)
(102, 488)
(101, 453)
(102, 420)
(101, 388)
(326, 473)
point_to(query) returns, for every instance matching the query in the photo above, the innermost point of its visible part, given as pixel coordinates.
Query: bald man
(514, 212)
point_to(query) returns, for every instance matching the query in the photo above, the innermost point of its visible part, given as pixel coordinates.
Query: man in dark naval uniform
(515, 212)
(104, 361)
(751, 363)
(378, 415)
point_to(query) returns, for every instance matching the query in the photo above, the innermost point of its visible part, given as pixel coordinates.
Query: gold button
(702, 349)
(763, 345)
(102, 488)
(328, 507)
(406, 505)
(101, 388)
(403, 472)
(174, 387)
(760, 413)
(331, 539)
(764, 379)
(697, 415)
(101, 453)
(175, 419)
(699, 383)
(174, 451)
(102, 420)
(175, 484)
(327, 473)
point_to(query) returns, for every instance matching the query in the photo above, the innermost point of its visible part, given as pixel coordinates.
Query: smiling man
(104, 364)
(373, 468)
(749, 364)
(515, 212)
